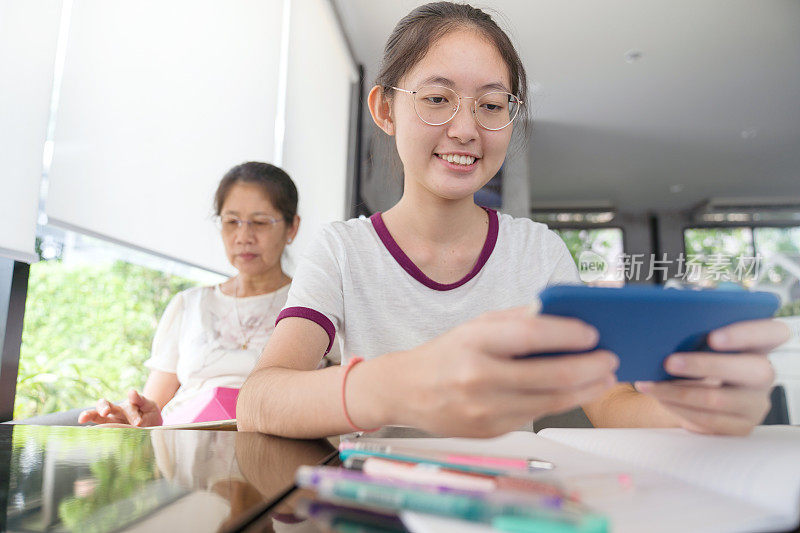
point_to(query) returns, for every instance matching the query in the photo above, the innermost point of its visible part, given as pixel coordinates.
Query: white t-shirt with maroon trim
(355, 281)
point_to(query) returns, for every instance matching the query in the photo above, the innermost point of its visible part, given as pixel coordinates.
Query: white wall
(158, 100)
(320, 78)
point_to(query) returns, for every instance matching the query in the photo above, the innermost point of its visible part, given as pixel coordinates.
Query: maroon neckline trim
(408, 265)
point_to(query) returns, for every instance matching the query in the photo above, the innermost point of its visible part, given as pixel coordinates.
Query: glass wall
(90, 317)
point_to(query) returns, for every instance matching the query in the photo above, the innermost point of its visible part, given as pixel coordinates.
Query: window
(771, 256)
(781, 250)
(719, 255)
(598, 253)
(90, 317)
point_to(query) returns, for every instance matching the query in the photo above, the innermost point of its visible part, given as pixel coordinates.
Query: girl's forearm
(307, 404)
(624, 407)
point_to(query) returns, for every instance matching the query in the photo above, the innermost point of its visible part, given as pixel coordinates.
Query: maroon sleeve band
(314, 316)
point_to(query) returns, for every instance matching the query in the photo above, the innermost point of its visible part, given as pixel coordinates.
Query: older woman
(212, 336)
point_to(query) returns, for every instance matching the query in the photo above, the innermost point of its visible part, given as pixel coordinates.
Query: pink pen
(442, 475)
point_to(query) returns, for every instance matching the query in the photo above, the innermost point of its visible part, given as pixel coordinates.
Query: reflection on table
(82, 479)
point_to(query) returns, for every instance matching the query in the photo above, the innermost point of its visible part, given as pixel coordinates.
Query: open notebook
(680, 481)
(762, 469)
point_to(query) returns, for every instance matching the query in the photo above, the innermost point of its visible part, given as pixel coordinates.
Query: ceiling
(710, 108)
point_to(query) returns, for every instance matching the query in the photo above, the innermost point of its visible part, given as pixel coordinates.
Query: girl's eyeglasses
(436, 105)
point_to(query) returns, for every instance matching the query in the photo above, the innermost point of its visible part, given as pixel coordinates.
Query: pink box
(218, 403)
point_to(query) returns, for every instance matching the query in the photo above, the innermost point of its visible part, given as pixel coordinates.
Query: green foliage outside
(777, 240)
(602, 241)
(606, 242)
(732, 243)
(720, 250)
(87, 332)
(790, 309)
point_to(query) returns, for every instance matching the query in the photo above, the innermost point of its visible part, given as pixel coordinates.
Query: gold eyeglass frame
(458, 106)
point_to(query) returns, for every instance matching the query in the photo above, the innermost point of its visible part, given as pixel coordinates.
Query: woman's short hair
(274, 182)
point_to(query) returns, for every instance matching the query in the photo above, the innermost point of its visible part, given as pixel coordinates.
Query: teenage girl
(434, 293)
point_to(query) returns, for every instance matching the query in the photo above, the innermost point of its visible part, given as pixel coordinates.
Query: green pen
(519, 524)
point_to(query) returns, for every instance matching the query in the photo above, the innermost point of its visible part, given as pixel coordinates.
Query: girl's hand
(730, 391)
(136, 410)
(467, 382)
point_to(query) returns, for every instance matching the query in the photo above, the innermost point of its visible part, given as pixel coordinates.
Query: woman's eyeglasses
(230, 224)
(436, 105)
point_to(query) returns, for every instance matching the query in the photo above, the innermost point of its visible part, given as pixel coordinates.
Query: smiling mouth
(465, 160)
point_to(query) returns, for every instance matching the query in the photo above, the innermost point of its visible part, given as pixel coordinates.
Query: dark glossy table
(99, 480)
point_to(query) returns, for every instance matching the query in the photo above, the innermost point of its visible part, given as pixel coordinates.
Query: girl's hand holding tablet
(467, 382)
(730, 391)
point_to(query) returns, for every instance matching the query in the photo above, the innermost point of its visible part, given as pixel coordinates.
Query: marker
(475, 460)
(317, 475)
(454, 504)
(429, 474)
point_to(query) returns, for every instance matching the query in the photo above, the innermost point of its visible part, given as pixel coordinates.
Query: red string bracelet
(350, 364)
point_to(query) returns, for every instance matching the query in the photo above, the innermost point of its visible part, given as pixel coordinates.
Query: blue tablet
(643, 325)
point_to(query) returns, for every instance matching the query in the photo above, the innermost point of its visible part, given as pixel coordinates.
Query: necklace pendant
(244, 346)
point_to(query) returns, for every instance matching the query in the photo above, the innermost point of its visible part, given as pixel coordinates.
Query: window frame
(752, 226)
(13, 295)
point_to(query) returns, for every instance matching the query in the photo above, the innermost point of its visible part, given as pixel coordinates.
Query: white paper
(657, 502)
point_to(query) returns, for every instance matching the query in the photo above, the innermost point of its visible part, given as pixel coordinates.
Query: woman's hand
(730, 391)
(136, 410)
(467, 382)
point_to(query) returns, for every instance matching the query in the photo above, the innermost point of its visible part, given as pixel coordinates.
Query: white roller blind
(158, 100)
(28, 37)
(318, 92)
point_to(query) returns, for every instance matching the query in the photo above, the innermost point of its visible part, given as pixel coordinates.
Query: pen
(502, 463)
(429, 474)
(345, 454)
(335, 516)
(455, 505)
(316, 475)
(516, 524)
(422, 473)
